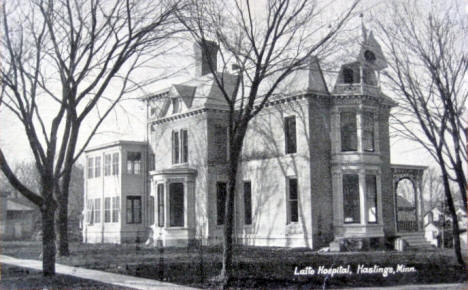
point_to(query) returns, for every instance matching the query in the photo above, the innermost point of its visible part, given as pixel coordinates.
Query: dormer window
(348, 77)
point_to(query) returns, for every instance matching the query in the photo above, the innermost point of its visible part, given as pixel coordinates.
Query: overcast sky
(128, 122)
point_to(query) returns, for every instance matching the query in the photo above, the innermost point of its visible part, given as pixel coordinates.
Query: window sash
(90, 167)
(134, 163)
(115, 209)
(97, 210)
(348, 131)
(115, 164)
(220, 202)
(175, 147)
(107, 164)
(133, 209)
(89, 211)
(151, 210)
(184, 145)
(247, 203)
(107, 210)
(371, 198)
(176, 204)
(293, 211)
(160, 205)
(290, 134)
(97, 171)
(351, 200)
(368, 142)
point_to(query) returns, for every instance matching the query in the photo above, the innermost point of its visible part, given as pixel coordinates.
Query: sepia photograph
(233, 144)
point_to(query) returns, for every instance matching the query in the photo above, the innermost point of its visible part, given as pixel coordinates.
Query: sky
(128, 121)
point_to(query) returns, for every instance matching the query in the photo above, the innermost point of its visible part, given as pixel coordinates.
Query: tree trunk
(48, 239)
(226, 272)
(235, 148)
(62, 225)
(451, 206)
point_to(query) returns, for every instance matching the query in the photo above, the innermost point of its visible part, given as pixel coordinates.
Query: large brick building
(315, 166)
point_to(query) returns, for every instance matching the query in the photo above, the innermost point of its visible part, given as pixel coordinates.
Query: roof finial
(363, 27)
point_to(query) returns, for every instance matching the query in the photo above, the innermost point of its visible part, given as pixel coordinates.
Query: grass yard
(13, 277)
(258, 267)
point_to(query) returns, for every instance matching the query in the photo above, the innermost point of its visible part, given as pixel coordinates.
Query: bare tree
(427, 73)
(62, 62)
(264, 43)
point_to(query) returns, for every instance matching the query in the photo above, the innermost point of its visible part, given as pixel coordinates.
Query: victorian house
(315, 166)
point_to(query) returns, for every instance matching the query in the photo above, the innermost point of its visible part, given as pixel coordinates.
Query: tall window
(97, 210)
(107, 210)
(175, 147)
(160, 205)
(133, 162)
(220, 202)
(290, 134)
(293, 205)
(151, 210)
(247, 203)
(180, 146)
(89, 211)
(115, 209)
(348, 131)
(176, 204)
(348, 77)
(97, 171)
(133, 209)
(351, 198)
(371, 198)
(175, 105)
(368, 131)
(115, 163)
(220, 142)
(107, 164)
(90, 162)
(184, 145)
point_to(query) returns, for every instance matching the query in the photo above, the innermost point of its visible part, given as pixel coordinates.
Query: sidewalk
(101, 276)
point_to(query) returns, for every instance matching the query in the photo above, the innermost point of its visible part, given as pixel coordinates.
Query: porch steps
(416, 240)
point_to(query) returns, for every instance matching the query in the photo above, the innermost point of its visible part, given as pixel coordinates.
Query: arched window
(348, 75)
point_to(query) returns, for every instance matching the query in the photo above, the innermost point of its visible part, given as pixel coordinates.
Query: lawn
(13, 277)
(260, 267)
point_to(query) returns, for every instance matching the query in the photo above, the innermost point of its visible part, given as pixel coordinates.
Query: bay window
(348, 131)
(351, 201)
(176, 204)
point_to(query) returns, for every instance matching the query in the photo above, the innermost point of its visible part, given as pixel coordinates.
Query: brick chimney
(206, 55)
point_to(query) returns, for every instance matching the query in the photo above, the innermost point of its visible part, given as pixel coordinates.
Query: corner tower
(363, 206)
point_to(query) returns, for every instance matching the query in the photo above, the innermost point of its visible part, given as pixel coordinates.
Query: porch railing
(407, 226)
